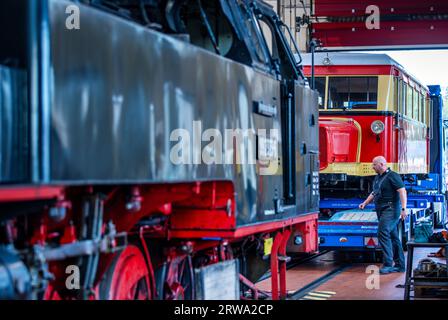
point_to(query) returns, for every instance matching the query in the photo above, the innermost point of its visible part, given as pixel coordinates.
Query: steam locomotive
(106, 108)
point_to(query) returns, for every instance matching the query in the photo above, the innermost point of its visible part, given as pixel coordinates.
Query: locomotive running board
(242, 231)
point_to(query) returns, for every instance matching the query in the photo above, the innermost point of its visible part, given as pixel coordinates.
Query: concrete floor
(352, 283)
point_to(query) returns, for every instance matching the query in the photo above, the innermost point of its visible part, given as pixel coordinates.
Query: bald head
(379, 164)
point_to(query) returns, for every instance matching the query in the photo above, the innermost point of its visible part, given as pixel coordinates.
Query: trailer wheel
(127, 278)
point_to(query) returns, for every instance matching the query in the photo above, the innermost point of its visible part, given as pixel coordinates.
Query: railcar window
(352, 92)
(409, 101)
(320, 87)
(403, 97)
(416, 104)
(423, 109)
(396, 97)
(420, 111)
(400, 96)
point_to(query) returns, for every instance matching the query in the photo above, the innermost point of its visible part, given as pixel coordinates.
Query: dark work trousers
(390, 242)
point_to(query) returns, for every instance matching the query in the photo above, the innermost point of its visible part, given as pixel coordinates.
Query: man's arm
(404, 201)
(367, 201)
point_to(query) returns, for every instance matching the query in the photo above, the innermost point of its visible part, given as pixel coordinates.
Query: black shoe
(386, 270)
(398, 269)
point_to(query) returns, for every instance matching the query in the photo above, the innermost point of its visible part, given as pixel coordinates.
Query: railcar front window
(352, 92)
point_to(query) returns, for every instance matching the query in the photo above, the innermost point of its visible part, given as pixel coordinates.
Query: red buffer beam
(346, 25)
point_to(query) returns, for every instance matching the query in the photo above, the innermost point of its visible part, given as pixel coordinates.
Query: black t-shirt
(385, 188)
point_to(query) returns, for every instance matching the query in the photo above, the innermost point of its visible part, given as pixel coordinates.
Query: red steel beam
(274, 264)
(397, 33)
(282, 263)
(342, 24)
(241, 232)
(29, 193)
(348, 8)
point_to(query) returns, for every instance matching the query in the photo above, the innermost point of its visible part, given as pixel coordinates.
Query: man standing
(388, 193)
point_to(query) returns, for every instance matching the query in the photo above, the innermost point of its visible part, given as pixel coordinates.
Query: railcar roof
(348, 59)
(356, 59)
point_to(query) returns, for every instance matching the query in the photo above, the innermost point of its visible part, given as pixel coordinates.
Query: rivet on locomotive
(92, 205)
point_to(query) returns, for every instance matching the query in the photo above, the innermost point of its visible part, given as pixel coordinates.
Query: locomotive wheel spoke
(181, 287)
(127, 278)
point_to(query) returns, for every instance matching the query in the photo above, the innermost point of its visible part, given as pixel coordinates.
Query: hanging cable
(208, 27)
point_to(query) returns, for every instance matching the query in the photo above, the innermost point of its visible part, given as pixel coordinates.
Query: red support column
(274, 264)
(278, 264)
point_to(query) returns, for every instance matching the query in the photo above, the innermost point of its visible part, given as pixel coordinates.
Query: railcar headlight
(377, 126)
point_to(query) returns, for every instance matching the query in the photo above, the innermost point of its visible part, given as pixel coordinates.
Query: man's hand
(367, 201)
(403, 214)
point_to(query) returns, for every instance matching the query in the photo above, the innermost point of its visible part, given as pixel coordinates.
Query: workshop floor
(354, 282)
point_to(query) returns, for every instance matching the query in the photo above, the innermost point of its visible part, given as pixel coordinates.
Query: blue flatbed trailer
(353, 229)
(349, 229)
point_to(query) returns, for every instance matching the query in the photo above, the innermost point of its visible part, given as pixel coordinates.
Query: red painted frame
(242, 231)
(29, 193)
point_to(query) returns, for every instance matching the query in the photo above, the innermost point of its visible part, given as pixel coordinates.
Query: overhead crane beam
(398, 24)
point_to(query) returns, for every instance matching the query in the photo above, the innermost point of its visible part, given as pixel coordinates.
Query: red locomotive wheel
(127, 278)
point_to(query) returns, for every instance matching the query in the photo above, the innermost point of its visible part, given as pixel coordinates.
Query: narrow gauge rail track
(295, 262)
